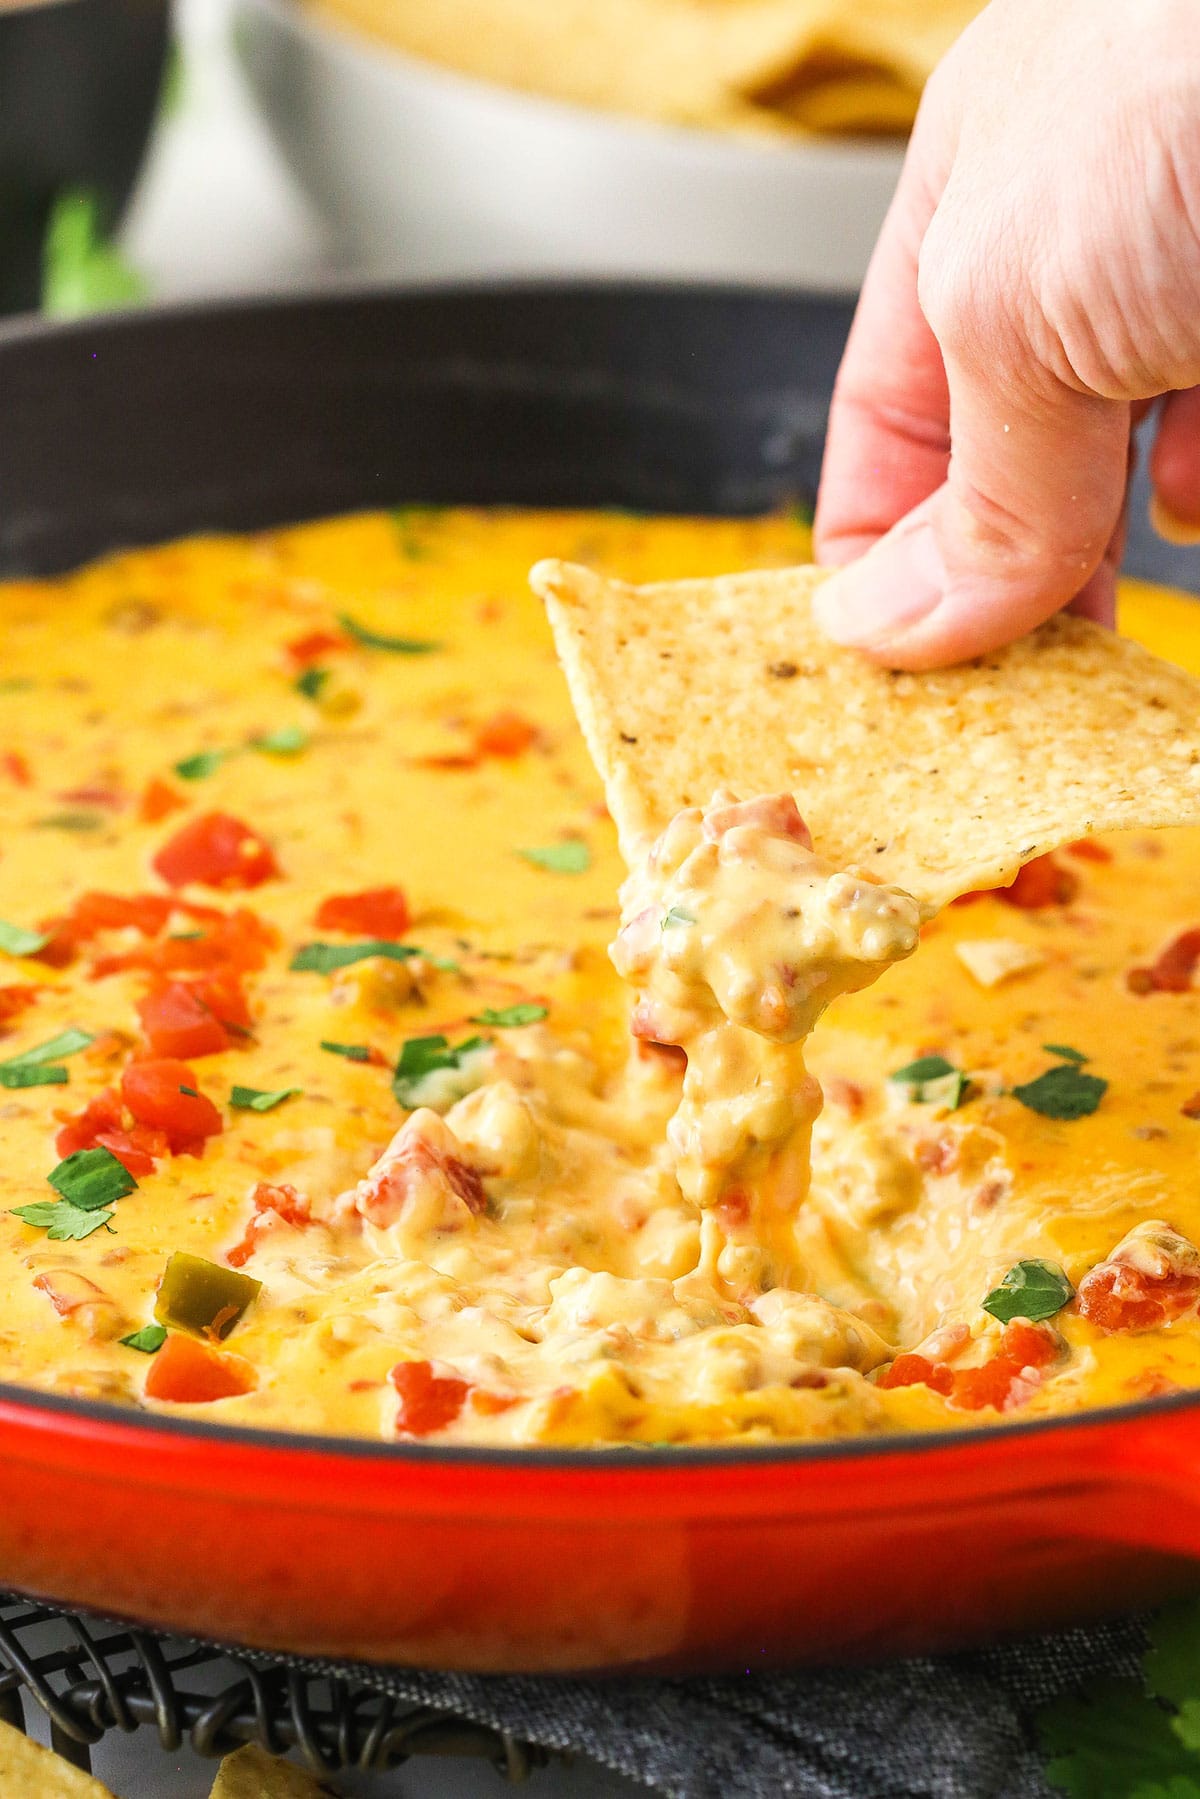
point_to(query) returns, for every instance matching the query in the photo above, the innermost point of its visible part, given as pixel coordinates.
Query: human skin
(1035, 292)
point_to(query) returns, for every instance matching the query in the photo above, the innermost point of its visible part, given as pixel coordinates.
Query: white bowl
(420, 172)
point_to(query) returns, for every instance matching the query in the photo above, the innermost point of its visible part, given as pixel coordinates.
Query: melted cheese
(522, 1234)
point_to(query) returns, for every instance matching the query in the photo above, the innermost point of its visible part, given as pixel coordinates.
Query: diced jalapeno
(202, 1297)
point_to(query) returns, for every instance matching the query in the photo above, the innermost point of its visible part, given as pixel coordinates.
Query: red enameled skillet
(136, 429)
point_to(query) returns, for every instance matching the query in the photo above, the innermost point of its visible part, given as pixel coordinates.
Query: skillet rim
(347, 291)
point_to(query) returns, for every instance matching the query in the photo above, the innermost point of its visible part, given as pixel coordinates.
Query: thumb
(1032, 496)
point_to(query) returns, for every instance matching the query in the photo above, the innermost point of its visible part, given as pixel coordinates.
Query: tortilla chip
(36, 1773)
(250, 1773)
(939, 782)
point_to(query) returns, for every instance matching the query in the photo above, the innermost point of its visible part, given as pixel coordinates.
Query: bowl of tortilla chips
(756, 140)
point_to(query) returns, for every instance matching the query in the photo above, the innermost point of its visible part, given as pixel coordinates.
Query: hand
(1035, 289)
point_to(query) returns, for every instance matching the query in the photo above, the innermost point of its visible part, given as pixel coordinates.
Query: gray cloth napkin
(941, 1727)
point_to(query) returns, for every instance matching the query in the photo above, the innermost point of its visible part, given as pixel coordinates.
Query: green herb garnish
(61, 1221)
(33, 1074)
(82, 271)
(506, 1016)
(288, 740)
(149, 1339)
(931, 1081)
(573, 857)
(70, 821)
(1134, 1737)
(673, 917)
(1062, 1092)
(201, 765)
(1033, 1289)
(14, 941)
(353, 1052)
(259, 1099)
(325, 958)
(67, 1043)
(311, 682)
(1066, 1053)
(423, 1056)
(91, 1178)
(376, 640)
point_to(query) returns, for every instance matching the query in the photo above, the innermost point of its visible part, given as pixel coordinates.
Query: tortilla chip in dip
(938, 782)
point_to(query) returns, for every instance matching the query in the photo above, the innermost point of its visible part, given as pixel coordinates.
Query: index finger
(888, 441)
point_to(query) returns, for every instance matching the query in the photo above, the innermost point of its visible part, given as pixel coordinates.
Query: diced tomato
(775, 813)
(918, 1371)
(1172, 971)
(108, 797)
(1088, 850)
(14, 1000)
(146, 913)
(229, 944)
(217, 850)
(313, 646)
(178, 1023)
(16, 768)
(490, 1405)
(1119, 1296)
(153, 1093)
(185, 1372)
(428, 1401)
(158, 800)
(282, 1202)
(1000, 1383)
(1033, 1343)
(376, 912)
(67, 1290)
(505, 734)
(101, 1125)
(1040, 883)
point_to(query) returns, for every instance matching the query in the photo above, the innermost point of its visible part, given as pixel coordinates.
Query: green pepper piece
(202, 1297)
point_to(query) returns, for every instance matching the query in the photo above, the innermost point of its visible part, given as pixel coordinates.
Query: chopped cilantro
(1125, 1737)
(201, 765)
(82, 270)
(287, 740)
(673, 917)
(91, 1178)
(62, 1221)
(67, 1043)
(14, 941)
(258, 1099)
(70, 821)
(1065, 1052)
(312, 681)
(32, 1074)
(422, 1056)
(375, 640)
(571, 857)
(505, 1016)
(1033, 1289)
(190, 1091)
(1063, 1091)
(931, 1081)
(149, 1339)
(325, 958)
(353, 1052)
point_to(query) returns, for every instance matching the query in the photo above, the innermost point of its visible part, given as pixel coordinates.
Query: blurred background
(158, 151)
(151, 151)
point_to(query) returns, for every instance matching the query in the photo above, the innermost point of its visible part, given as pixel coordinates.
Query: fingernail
(1170, 526)
(893, 587)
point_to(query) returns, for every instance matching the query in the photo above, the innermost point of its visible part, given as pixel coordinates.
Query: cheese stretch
(306, 888)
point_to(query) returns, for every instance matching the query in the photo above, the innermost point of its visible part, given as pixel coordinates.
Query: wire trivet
(90, 1677)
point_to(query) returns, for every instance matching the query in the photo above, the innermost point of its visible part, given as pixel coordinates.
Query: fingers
(888, 441)
(1032, 498)
(1175, 469)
